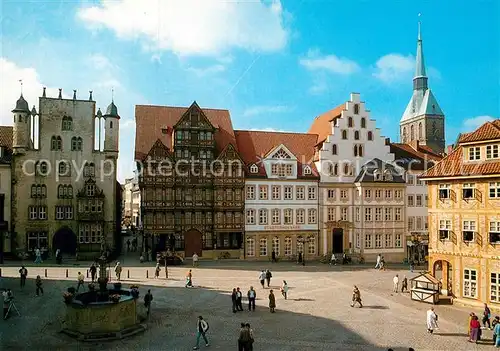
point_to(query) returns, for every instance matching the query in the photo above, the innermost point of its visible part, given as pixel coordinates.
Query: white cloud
(192, 27)
(100, 62)
(394, 67)
(331, 63)
(471, 124)
(269, 129)
(201, 72)
(127, 123)
(10, 74)
(260, 110)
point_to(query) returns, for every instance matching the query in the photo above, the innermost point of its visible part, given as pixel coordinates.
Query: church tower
(423, 119)
(21, 130)
(111, 129)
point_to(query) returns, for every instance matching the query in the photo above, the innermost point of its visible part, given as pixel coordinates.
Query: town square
(316, 315)
(250, 175)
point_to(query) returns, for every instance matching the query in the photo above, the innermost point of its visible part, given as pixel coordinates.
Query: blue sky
(274, 64)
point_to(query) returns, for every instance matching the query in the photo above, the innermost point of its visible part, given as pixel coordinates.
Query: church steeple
(420, 78)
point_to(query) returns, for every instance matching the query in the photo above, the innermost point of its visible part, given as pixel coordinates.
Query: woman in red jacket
(475, 326)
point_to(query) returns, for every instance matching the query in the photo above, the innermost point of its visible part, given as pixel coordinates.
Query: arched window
(350, 122)
(334, 149)
(254, 169)
(420, 136)
(60, 191)
(356, 109)
(288, 246)
(42, 168)
(250, 247)
(346, 169)
(360, 150)
(276, 246)
(311, 246)
(412, 133)
(53, 143)
(307, 170)
(344, 134)
(363, 122)
(263, 247)
(404, 135)
(336, 169)
(33, 190)
(300, 244)
(370, 135)
(70, 191)
(355, 150)
(79, 144)
(356, 135)
(44, 190)
(63, 168)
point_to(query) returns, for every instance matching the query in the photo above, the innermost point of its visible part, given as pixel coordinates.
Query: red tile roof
(255, 145)
(321, 124)
(6, 136)
(421, 152)
(453, 165)
(488, 131)
(157, 122)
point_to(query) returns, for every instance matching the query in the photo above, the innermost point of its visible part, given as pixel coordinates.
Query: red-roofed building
(464, 217)
(281, 194)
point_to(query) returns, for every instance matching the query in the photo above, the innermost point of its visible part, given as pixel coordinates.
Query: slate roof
(367, 173)
(453, 165)
(414, 157)
(255, 145)
(157, 122)
(422, 102)
(321, 125)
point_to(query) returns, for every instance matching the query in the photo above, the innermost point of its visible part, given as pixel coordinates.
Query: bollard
(147, 274)
(45, 272)
(128, 273)
(67, 273)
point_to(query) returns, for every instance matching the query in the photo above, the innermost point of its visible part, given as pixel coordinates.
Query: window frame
(468, 276)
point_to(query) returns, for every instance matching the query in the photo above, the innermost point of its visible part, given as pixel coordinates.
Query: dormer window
(388, 175)
(492, 151)
(356, 109)
(307, 170)
(254, 169)
(350, 123)
(376, 175)
(474, 153)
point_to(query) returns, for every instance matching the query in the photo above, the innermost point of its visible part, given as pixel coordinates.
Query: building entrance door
(338, 241)
(193, 242)
(65, 240)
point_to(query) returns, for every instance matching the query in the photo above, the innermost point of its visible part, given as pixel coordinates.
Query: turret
(111, 128)
(21, 130)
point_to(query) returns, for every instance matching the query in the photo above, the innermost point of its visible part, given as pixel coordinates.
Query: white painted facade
(339, 165)
(132, 202)
(417, 213)
(279, 210)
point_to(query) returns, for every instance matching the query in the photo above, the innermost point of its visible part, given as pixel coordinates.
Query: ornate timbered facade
(191, 181)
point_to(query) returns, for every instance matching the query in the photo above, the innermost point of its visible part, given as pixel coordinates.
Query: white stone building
(346, 140)
(281, 194)
(64, 176)
(132, 203)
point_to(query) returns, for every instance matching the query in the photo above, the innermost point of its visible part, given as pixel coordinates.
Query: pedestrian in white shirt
(431, 320)
(262, 278)
(333, 260)
(395, 280)
(379, 258)
(195, 259)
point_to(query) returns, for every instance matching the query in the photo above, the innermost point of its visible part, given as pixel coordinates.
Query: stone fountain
(103, 314)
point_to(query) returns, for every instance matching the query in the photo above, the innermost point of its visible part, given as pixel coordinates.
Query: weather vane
(112, 94)
(21, 81)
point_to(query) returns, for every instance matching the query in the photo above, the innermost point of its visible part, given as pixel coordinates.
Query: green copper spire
(420, 68)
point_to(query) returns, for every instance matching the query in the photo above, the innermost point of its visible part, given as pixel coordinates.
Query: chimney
(90, 96)
(449, 149)
(44, 94)
(60, 93)
(74, 94)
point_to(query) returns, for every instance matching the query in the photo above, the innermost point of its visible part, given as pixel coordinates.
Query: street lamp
(304, 241)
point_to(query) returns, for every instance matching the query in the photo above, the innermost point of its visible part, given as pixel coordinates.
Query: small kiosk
(425, 288)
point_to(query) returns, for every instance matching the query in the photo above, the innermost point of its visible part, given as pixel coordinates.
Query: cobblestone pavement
(317, 315)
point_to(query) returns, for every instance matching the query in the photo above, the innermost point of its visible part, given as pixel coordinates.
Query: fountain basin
(89, 319)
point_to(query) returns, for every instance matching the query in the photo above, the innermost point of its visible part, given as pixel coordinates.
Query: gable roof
(488, 131)
(453, 164)
(157, 122)
(422, 103)
(416, 156)
(253, 146)
(321, 124)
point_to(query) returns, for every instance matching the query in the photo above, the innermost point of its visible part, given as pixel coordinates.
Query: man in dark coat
(233, 299)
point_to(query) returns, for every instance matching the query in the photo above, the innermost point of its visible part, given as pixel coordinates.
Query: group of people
(132, 245)
(404, 284)
(475, 329)
(380, 265)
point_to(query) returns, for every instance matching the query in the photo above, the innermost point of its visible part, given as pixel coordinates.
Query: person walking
(471, 316)
(268, 277)
(93, 272)
(262, 278)
(333, 260)
(273, 256)
(38, 256)
(284, 289)
(157, 270)
(486, 317)
(379, 261)
(475, 329)
(38, 283)
(201, 331)
(147, 301)
(272, 301)
(234, 297)
(80, 279)
(395, 281)
(23, 273)
(118, 271)
(58, 256)
(239, 297)
(404, 285)
(431, 320)
(252, 295)
(128, 245)
(244, 338)
(356, 297)
(382, 264)
(189, 279)
(195, 259)
(250, 344)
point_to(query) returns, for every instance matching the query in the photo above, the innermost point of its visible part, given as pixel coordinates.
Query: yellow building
(464, 218)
